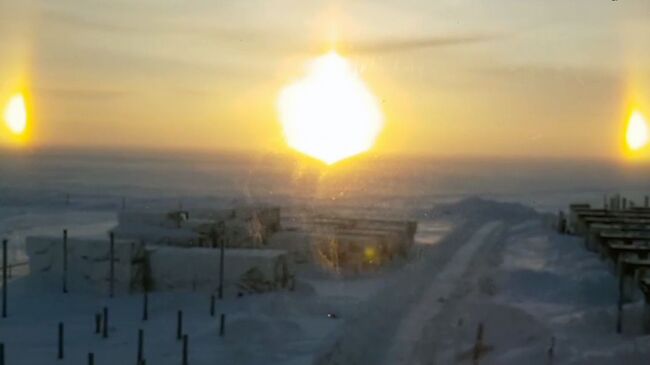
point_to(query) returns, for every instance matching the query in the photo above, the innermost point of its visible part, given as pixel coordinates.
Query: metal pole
(60, 341)
(98, 323)
(145, 306)
(619, 311)
(222, 325)
(91, 359)
(65, 261)
(185, 345)
(111, 255)
(105, 324)
(2, 353)
(221, 262)
(212, 305)
(4, 278)
(551, 351)
(140, 346)
(478, 346)
(179, 325)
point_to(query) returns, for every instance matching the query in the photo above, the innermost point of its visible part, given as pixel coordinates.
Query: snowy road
(391, 323)
(412, 325)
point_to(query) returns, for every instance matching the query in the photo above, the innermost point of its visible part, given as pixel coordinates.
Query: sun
(330, 113)
(636, 134)
(16, 115)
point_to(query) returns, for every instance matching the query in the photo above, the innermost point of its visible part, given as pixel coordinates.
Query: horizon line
(185, 150)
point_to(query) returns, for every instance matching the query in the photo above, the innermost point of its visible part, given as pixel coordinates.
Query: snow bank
(476, 208)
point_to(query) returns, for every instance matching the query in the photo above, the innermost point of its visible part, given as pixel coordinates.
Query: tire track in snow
(411, 327)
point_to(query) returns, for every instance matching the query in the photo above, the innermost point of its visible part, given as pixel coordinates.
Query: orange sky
(544, 78)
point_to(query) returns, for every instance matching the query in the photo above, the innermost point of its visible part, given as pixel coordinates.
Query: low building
(245, 270)
(137, 267)
(244, 227)
(349, 244)
(88, 263)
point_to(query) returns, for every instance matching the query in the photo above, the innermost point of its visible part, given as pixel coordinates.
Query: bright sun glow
(16, 115)
(637, 132)
(330, 114)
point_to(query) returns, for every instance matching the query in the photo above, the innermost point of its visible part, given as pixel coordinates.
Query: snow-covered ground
(476, 261)
(505, 267)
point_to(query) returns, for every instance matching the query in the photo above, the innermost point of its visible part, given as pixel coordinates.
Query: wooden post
(4, 278)
(111, 255)
(145, 306)
(91, 358)
(478, 346)
(212, 305)
(105, 324)
(60, 354)
(140, 346)
(221, 262)
(179, 325)
(619, 311)
(222, 325)
(65, 261)
(185, 345)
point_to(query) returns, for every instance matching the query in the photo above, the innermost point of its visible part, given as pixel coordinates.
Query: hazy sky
(534, 77)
